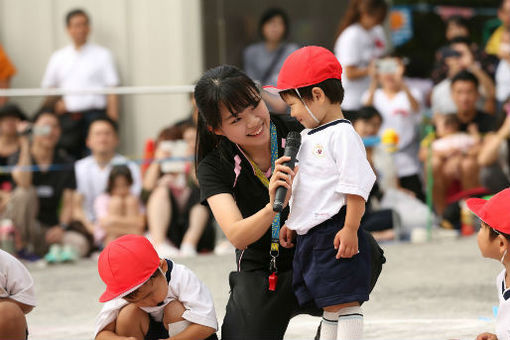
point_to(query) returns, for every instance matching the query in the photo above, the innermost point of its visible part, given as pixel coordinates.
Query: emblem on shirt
(318, 150)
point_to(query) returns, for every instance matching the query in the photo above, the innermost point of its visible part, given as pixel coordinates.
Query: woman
(239, 145)
(263, 60)
(360, 40)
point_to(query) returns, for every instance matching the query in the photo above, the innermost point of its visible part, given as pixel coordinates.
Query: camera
(36, 130)
(178, 149)
(387, 66)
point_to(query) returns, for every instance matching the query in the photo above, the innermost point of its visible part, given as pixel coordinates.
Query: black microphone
(292, 145)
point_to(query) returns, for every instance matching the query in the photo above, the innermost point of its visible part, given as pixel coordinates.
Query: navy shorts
(319, 277)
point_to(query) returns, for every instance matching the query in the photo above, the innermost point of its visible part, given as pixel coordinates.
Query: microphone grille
(293, 139)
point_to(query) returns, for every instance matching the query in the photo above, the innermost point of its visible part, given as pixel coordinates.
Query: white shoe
(188, 250)
(166, 250)
(224, 247)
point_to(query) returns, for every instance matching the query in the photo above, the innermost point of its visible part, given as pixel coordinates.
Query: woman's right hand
(282, 176)
(161, 154)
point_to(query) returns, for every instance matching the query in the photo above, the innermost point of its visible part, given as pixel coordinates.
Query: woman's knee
(132, 321)
(173, 312)
(13, 324)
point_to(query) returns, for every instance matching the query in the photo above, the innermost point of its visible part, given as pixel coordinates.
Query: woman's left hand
(282, 176)
(346, 241)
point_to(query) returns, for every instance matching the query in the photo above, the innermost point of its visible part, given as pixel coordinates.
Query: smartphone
(386, 66)
(177, 149)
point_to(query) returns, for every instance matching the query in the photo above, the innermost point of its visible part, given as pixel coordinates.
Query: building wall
(154, 42)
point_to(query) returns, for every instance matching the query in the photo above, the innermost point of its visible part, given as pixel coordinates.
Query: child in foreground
(332, 261)
(150, 298)
(494, 243)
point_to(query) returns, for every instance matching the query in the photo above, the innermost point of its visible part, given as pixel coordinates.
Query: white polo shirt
(91, 66)
(16, 283)
(357, 46)
(91, 179)
(503, 318)
(185, 287)
(332, 164)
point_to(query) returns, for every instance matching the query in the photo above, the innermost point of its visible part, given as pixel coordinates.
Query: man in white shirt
(17, 297)
(81, 65)
(92, 171)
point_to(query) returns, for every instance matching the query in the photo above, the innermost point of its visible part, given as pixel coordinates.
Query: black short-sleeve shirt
(217, 175)
(484, 121)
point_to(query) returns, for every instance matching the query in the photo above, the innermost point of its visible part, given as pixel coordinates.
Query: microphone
(292, 144)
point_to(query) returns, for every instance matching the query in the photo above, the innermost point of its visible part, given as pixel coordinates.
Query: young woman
(360, 41)
(239, 146)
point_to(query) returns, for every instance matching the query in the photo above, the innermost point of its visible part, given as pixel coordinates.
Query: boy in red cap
(332, 260)
(150, 298)
(494, 243)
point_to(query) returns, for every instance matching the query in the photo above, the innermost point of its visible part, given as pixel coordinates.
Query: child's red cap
(125, 264)
(307, 66)
(495, 211)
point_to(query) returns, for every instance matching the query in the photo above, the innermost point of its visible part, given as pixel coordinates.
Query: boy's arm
(346, 240)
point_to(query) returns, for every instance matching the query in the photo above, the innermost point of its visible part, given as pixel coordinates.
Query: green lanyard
(275, 226)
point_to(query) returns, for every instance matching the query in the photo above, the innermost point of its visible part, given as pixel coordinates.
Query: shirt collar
(325, 126)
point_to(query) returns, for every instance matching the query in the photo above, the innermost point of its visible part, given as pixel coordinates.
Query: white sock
(175, 328)
(329, 324)
(350, 324)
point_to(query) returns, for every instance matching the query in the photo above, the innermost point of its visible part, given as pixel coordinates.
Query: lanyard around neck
(275, 226)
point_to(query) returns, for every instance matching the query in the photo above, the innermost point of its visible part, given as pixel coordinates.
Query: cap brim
(476, 205)
(272, 89)
(108, 295)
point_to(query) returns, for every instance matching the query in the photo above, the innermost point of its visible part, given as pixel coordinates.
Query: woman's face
(367, 127)
(121, 186)
(248, 128)
(8, 126)
(370, 20)
(274, 29)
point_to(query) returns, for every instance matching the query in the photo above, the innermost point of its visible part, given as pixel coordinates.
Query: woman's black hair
(269, 14)
(457, 20)
(118, 171)
(223, 86)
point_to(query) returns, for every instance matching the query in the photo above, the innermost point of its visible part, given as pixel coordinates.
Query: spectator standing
(78, 66)
(360, 40)
(7, 71)
(400, 108)
(41, 205)
(92, 171)
(263, 60)
(17, 297)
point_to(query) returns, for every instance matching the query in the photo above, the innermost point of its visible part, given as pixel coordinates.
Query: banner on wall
(401, 25)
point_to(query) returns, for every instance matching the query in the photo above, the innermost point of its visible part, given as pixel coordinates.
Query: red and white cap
(125, 264)
(307, 66)
(495, 211)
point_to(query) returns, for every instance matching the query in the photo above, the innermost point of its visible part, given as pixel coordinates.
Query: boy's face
(301, 114)
(488, 247)
(152, 293)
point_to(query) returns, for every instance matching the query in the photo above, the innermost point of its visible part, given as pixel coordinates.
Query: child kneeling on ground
(151, 298)
(331, 264)
(494, 243)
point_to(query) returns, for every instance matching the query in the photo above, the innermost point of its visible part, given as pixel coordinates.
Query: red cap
(495, 211)
(307, 66)
(126, 263)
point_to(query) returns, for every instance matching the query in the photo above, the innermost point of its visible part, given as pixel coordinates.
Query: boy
(17, 297)
(494, 242)
(149, 298)
(332, 260)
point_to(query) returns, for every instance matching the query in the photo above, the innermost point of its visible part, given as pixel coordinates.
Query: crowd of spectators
(68, 191)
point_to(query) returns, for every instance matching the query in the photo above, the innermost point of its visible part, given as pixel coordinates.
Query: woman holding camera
(178, 224)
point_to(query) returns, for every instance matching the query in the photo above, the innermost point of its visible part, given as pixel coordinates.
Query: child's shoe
(68, 254)
(54, 255)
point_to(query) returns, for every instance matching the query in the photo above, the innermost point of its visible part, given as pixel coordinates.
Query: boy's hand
(346, 241)
(487, 336)
(287, 237)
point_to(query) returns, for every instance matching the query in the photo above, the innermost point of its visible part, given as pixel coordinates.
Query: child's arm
(346, 240)
(287, 237)
(108, 333)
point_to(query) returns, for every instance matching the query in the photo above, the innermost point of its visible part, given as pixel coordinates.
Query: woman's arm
(151, 176)
(66, 213)
(354, 72)
(240, 231)
(489, 152)
(21, 174)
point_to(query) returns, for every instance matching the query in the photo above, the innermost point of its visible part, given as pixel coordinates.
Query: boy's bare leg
(173, 313)
(13, 324)
(132, 322)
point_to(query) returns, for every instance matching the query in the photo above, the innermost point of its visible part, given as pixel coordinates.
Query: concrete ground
(437, 290)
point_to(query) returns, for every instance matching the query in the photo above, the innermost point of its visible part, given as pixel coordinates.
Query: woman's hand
(346, 241)
(287, 237)
(282, 176)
